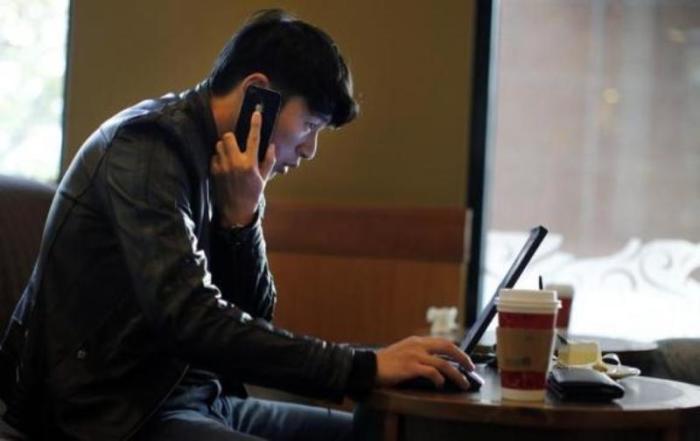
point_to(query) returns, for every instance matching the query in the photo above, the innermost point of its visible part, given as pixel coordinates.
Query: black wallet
(580, 384)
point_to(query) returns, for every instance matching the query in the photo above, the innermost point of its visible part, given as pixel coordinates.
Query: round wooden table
(652, 409)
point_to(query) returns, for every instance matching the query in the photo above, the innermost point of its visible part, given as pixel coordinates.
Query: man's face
(296, 134)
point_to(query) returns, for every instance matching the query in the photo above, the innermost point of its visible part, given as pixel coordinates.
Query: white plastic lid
(562, 289)
(527, 300)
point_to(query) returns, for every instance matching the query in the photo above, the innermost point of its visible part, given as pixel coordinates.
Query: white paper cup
(525, 341)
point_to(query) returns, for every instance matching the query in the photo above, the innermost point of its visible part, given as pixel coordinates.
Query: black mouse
(422, 383)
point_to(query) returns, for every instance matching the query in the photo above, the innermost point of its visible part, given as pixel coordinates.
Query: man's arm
(239, 260)
(240, 269)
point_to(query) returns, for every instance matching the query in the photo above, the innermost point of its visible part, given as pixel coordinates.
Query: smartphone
(268, 103)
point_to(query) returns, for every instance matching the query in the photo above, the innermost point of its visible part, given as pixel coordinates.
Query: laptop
(473, 336)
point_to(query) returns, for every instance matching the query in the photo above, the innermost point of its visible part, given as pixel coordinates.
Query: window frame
(481, 127)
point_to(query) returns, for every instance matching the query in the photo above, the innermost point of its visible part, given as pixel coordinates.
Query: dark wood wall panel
(364, 274)
(362, 300)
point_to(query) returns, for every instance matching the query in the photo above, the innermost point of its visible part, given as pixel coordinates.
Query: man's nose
(307, 149)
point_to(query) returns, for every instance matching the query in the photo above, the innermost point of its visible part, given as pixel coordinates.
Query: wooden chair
(364, 274)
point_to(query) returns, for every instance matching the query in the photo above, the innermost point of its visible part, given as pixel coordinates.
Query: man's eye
(309, 126)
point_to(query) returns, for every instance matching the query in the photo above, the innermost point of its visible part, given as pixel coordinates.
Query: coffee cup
(525, 341)
(565, 293)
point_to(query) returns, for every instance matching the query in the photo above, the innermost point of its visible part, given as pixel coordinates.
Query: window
(32, 64)
(597, 136)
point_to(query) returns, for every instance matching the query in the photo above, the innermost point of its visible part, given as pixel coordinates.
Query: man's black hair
(299, 59)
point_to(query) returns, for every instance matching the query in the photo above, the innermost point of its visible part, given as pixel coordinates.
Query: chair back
(24, 205)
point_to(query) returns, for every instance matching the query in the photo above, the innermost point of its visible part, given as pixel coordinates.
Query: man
(151, 300)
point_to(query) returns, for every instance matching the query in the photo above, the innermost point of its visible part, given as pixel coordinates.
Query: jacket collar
(201, 103)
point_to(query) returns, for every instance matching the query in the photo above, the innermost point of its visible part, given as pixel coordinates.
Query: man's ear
(256, 79)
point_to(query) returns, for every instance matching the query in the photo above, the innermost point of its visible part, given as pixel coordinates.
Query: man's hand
(421, 357)
(238, 179)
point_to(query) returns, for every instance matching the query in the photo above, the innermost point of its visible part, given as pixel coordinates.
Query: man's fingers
(431, 374)
(268, 163)
(230, 149)
(220, 149)
(253, 143)
(447, 370)
(457, 378)
(446, 347)
(460, 357)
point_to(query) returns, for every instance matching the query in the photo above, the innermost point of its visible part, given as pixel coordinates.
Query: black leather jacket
(134, 284)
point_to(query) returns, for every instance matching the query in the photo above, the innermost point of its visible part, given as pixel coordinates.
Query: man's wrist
(235, 234)
(362, 374)
(237, 222)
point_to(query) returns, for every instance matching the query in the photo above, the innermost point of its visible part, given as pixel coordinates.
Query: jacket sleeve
(147, 193)
(239, 267)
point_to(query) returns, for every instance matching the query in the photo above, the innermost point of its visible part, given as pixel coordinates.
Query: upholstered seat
(678, 359)
(24, 205)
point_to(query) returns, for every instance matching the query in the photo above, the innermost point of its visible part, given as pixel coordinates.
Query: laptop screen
(482, 322)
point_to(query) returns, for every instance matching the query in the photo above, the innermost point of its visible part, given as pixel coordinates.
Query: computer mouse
(422, 383)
